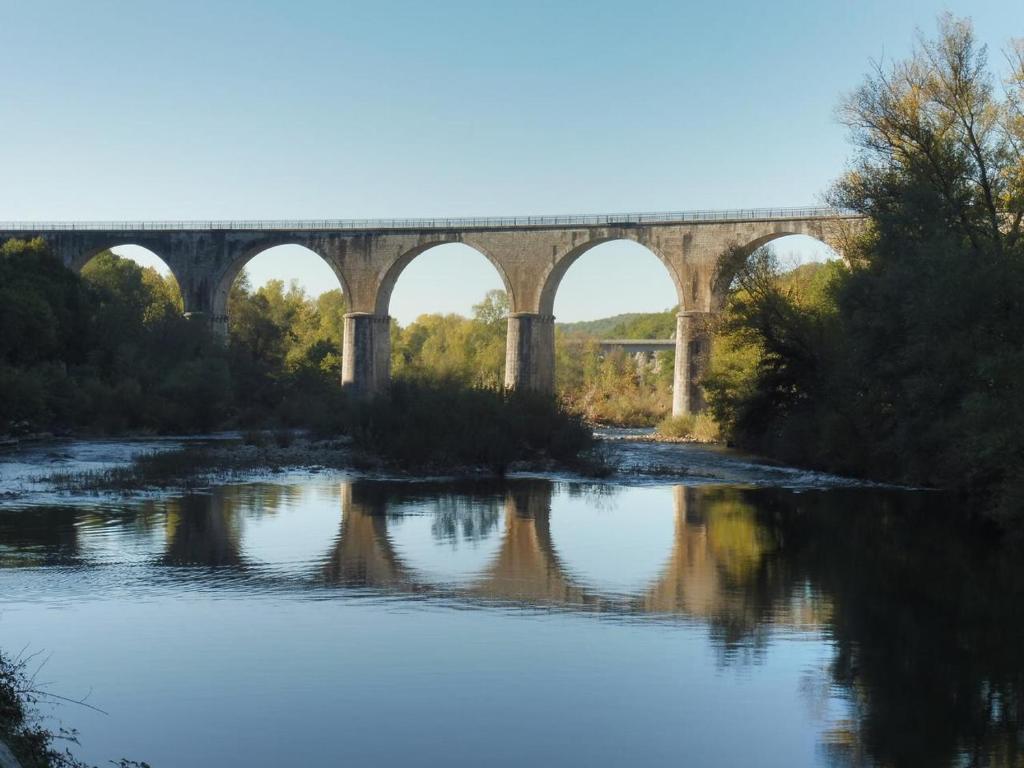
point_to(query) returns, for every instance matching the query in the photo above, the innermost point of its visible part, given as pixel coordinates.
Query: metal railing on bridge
(483, 222)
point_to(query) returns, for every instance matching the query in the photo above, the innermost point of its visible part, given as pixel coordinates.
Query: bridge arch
(560, 265)
(390, 277)
(113, 242)
(142, 255)
(811, 246)
(222, 290)
(377, 327)
(636, 267)
(463, 531)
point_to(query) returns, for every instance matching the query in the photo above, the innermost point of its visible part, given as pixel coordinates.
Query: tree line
(109, 351)
(906, 362)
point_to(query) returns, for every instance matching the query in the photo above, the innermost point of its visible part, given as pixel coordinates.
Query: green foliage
(608, 389)
(424, 423)
(906, 365)
(108, 351)
(770, 349)
(612, 388)
(42, 306)
(600, 328)
(285, 354)
(653, 325)
(452, 347)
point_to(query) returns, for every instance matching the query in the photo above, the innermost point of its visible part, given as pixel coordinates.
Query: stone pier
(366, 355)
(530, 352)
(693, 350)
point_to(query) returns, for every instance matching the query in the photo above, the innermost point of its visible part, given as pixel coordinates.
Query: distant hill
(601, 326)
(662, 325)
(632, 325)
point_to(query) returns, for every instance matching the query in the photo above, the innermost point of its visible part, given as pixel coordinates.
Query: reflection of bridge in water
(527, 568)
(721, 562)
(703, 575)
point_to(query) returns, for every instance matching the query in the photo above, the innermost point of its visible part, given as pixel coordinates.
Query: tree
(493, 310)
(908, 364)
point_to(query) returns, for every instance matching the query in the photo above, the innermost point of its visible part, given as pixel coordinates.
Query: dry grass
(698, 428)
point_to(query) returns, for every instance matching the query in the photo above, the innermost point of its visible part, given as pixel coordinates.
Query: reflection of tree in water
(598, 495)
(724, 569)
(926, 616)
(467, 509)
(38, 537)
(459, 517)
(260, 500)
(928, 625)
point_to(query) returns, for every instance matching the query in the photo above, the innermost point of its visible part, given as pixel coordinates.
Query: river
(735, 614)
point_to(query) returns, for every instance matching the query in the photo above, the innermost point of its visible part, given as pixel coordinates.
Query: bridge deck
(500, 222)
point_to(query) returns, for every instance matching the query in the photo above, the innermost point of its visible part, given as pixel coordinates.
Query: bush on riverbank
(30, 743)
(445, 424)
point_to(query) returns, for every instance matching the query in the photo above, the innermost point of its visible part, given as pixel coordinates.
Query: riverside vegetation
(906, 363)
(109, 352)
(20, 730)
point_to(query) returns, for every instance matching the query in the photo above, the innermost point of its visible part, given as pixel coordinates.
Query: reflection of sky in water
(294, 532)
(117, 540)
(308, 622)
(446, 542)
(614, 543)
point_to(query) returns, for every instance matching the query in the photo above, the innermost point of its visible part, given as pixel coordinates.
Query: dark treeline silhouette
(109, 351)
(924, 610)
(907, 364)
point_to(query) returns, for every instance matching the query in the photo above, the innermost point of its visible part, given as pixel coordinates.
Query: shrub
(423, 424)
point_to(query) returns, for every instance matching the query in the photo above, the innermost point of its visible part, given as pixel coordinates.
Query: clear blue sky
(132, 110)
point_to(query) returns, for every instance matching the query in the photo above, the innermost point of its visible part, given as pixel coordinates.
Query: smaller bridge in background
(637, 346)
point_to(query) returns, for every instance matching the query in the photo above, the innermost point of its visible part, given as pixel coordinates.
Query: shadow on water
(925, 616)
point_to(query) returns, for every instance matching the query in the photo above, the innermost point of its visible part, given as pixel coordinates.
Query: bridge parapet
(441, 223)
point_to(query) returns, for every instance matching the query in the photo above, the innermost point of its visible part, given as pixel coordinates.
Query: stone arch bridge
(531, 254)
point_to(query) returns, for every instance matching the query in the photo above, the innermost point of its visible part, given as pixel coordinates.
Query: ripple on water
(607, 623)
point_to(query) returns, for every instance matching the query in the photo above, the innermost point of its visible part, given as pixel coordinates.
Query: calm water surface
(346, 621)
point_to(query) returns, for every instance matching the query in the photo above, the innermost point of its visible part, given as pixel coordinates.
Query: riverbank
(102, 471)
